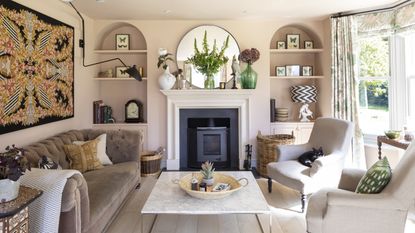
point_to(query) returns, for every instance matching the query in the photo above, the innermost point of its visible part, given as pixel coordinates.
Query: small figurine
(235, 71)
(305, 112)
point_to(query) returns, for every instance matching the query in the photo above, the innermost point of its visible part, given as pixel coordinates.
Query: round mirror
(185, 50)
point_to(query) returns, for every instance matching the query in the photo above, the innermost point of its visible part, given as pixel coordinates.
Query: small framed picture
(281, 45)
(122, 41)
(308, 44)
(280, 71)
(120, 72)
(292, 70)
(293, 41)
(307, 71)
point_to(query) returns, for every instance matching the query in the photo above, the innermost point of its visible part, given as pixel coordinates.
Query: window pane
(374, 107)
(410, 55)
(411, 102)
(374, 57)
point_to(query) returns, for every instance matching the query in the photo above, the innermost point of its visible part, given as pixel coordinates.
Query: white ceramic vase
(166, 80)
(208, 182)
(9, 190)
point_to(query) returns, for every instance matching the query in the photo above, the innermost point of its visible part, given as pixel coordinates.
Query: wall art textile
(36, 68)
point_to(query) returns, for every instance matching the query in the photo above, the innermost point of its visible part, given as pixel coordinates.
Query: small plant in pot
(207, 173)
(13, 164)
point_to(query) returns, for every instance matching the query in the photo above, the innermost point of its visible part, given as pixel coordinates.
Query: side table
(14, 215)
(396, 143)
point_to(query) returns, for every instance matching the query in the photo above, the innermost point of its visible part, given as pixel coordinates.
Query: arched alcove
(304, 32)
(106, 37)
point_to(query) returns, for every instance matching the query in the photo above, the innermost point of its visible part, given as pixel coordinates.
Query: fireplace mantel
(202, 98)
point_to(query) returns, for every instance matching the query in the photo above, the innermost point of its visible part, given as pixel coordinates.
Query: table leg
(379, 150)
(260, 225)
(152, 224)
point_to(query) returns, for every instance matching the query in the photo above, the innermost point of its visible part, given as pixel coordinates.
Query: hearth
(209, 134)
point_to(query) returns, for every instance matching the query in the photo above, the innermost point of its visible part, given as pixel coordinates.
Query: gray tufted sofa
(91, 201)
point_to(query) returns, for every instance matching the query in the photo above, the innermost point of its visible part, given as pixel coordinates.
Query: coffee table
(168, 198)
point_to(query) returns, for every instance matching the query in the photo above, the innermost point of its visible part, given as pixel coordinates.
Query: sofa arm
(291, 152)
(379, 201)
(332, 162)
(350, 178)
(75, 211)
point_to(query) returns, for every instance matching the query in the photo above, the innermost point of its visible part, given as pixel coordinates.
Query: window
(374, 81)
(386, 74)
(410, 77)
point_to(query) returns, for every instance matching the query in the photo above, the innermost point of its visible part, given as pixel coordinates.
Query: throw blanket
(45, 211)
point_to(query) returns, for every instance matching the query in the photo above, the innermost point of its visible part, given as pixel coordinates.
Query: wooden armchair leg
(303, 199)
(269, 185)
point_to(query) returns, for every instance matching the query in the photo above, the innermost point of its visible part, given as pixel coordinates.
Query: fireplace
(209, 134)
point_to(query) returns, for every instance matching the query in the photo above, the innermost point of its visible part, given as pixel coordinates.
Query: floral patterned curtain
(397, 20)
(405, 18)
(344, 83)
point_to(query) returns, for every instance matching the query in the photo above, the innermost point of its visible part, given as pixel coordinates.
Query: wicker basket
(150, 163)
(266, 149)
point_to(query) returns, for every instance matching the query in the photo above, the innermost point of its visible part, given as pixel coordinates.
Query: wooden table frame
(395, 143)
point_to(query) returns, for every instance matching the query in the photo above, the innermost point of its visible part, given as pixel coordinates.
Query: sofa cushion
(101, 149)
(83, 157)
(109, 184)
(376, 178)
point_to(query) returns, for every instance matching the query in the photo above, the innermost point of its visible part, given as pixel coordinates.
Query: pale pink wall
(252, 33)
(85, 90)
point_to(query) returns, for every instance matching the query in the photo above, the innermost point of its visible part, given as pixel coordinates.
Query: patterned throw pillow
(376, 178)
(83, 157)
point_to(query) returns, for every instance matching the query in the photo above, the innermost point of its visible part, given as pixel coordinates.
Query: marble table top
(168, 198)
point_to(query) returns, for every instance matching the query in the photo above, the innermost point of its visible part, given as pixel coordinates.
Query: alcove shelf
(296, 77)
(296, 51)
(280, 85)
(111, 51)
(117, 79)
(117, 91)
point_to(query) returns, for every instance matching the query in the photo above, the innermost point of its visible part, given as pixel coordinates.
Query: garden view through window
(374, 77)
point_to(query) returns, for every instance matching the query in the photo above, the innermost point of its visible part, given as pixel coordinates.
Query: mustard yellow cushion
(83, 157)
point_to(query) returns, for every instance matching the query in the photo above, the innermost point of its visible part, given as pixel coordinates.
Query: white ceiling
(220, 9)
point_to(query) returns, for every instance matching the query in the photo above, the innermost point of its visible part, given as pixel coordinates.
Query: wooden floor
(285, 204)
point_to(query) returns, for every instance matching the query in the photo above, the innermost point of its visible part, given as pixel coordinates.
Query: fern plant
(208, 62)
(207, 170)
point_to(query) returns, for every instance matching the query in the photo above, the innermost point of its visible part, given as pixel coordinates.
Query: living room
(321, 58)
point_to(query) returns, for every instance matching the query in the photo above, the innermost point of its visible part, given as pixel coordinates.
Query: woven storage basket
(266, 149)
(150, 163)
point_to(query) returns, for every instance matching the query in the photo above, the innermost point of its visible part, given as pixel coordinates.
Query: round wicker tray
(185, 184)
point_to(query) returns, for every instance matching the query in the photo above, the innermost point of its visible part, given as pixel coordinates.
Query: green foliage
(207, 170)
(163, 60)
(374, 57)
(374, 62)
(209, 62)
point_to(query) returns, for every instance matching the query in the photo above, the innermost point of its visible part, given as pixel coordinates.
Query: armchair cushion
(350, 178)
(290, 173)
(376, 178)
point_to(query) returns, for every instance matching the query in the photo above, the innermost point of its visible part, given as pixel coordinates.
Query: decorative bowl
(393, 134)
(185, 184)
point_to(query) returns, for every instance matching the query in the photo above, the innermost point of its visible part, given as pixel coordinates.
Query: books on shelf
(102, 113)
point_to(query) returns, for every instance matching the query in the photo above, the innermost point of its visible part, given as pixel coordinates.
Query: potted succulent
(207, 173)
(13, 164)
(166, 80)
(209, 62)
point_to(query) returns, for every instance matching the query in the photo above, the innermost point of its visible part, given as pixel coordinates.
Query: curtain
(345, 87)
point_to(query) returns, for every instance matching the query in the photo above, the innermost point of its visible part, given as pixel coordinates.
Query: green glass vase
(248, 78)
(209, 82)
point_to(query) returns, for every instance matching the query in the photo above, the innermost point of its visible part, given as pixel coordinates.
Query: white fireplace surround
(200, 98)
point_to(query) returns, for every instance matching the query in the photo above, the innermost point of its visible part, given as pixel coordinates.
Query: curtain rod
(343, 14)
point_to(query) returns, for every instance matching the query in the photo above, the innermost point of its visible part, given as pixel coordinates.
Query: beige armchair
(334, 136)
(344, 211)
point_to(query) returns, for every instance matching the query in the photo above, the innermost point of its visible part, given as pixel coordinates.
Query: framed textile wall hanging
(36, 68)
